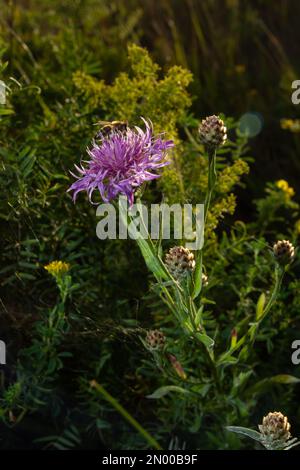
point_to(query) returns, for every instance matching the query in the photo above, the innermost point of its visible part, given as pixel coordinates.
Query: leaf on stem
(260, 306)
(246, 432)
(162, 391)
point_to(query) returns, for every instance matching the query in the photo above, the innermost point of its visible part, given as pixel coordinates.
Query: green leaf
(27, 160)
(260, 306)
(152, 261)
(206, 340)
(25, 264)
(162, 391)
(198, 316)
(27, 276)
(265, 383)
(246, 432)
(6, 111)
(227, 360)
(198, 275)
(225, 356)
(292, 443)
(241, 379)
(284, 379)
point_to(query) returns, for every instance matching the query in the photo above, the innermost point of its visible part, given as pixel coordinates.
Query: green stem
(253, 330)
(209, 354)
(212, 178)
(279, 273)
(131, 420)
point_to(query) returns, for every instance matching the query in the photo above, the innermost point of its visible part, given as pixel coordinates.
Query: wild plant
(210, 371)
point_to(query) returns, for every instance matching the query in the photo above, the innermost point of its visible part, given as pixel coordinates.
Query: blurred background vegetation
(68, 64)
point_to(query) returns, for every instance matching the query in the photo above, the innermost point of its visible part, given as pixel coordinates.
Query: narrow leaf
(206, 340)
(162, 391)
(260, 306)
(246, 432)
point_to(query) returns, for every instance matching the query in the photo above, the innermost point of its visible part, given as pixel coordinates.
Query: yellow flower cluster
(57, 268)
(284, 186)
(231, 175)
(124, 99)
(292, 125)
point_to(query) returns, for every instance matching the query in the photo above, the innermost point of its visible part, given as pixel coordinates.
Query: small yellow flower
(292, 125)
(285, 123)
(284, 186)
(57, 268)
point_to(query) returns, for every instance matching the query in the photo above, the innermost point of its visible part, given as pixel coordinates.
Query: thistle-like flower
(180, 261)
(284, 252)
(212, 132)
(274, 432)
(155, 340)
(121, 162)
(275, 427)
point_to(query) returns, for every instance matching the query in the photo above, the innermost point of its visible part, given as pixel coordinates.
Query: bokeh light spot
(251, 124)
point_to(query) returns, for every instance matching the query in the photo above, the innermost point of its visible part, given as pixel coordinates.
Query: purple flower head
(121, 163)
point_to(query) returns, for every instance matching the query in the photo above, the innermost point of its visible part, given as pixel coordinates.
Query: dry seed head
(155, 339)
(275, 427)
(284, 252)
(180, 261)
(212, 132)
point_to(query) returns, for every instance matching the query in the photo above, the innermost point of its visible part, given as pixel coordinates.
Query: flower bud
(177, 366)
(204, 280)
(233, 338)
(180, 261)
(212, 132)
(275, 427)
(284, 252)
(155, 339)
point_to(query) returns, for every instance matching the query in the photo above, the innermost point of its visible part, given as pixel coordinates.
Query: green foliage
(143, 93)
